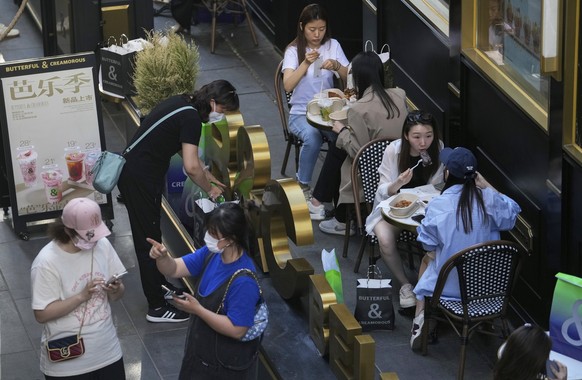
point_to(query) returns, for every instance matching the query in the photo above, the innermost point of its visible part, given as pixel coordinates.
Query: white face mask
(215, 117)
(83, 244)
(212, 243)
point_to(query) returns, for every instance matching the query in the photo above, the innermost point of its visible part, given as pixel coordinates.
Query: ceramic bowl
(314, 109)
(403, 204)
(341, 115)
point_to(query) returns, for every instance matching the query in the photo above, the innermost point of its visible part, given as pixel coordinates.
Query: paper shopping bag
(374, 309)
(117, 66)
(566, 316)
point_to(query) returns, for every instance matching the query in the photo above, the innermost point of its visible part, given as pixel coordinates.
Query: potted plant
(168, 66)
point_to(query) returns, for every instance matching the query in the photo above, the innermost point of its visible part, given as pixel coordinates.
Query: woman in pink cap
(71, 294)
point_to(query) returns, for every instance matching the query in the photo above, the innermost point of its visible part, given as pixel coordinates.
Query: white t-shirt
(310, 84)
(57, 275)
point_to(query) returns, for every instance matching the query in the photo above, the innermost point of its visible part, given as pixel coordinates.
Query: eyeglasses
(419, 117)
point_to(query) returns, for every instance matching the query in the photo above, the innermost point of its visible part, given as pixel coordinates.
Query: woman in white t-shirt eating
(310, 62)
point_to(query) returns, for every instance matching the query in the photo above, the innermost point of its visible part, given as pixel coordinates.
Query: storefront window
(435, 11)
(512, 41)
(505, 41)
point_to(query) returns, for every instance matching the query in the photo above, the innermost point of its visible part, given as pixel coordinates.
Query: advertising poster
(51, 131)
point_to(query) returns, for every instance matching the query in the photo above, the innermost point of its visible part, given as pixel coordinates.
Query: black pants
(114, 371)
(143, 202)
(327, 187)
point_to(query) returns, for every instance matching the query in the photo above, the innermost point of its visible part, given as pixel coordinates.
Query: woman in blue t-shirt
(219, 318)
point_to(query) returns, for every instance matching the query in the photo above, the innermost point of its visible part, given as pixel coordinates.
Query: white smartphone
(115, 277)
(173, 292)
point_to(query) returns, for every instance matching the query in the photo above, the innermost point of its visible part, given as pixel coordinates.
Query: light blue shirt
(440, 231)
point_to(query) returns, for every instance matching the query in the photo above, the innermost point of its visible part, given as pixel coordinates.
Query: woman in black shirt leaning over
(142, 180)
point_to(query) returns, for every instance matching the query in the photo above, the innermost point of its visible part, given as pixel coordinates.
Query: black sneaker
(173, 289)
(167, 313)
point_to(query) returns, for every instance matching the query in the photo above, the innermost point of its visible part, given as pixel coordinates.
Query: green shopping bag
(566, 316)
(332, 273)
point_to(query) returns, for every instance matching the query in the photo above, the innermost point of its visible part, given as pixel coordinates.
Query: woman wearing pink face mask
(69, 294)
(419, 134)
(216, 347)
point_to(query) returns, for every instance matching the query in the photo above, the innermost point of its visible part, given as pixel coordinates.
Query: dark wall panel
(513, 155)
(420, 55)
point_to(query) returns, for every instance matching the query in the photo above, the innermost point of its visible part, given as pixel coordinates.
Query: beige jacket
(367, 121)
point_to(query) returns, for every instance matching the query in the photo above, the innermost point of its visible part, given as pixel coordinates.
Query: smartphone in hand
(173, 292)
(549, 365)
(115, 277)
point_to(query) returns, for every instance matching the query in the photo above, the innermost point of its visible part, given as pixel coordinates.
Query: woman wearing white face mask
(143, 177)
(214, 347)
(69, 295)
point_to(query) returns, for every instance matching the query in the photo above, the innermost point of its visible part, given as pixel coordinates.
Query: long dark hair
(469, 193)
(415, 118)
(524, 356)
(230, 220)
(221, 91)
(310, 13)
(368, 71)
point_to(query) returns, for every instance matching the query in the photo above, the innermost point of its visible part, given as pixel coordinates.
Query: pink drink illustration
(53, 179)
(27, 161)
(74, 158)
(90, 160)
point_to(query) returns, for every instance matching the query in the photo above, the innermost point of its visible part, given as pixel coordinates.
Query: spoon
(418, 163)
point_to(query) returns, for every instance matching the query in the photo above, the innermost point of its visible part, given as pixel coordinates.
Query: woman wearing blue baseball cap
(469, 211)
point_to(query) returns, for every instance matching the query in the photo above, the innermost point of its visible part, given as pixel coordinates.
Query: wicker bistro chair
(283, 97)
(486, 273)
(365, 180)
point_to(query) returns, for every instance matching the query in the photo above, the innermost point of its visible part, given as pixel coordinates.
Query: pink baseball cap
(84, 216)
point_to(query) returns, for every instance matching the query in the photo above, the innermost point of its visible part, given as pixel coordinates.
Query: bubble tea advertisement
(53, 131)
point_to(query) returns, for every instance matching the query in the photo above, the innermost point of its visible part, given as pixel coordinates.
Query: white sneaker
(415, 339)
(13, 32)
(332, 226)
(316, 212)
(407, 296)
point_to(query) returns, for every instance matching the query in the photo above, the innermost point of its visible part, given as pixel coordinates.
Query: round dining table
(425, 193)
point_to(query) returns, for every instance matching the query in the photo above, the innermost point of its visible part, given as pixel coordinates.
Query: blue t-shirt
(243, 294)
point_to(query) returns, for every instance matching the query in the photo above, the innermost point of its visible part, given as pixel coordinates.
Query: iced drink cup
(53, 179)
(74, 158)
(325, 108)
(27, 161)
(90, 160)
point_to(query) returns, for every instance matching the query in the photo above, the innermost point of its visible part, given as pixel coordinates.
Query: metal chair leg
(361, 253)
(297, 153)
(286, 158)
(212, 37)
(348, 226)
(248, 15)
(464, 341)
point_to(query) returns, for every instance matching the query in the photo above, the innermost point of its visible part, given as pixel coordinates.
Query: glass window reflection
(509, 33)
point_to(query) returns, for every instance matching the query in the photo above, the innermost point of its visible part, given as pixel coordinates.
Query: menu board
(52, 132)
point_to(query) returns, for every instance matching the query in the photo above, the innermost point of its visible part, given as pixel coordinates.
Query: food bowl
(403, 204)
(341, 115)
(314, 108)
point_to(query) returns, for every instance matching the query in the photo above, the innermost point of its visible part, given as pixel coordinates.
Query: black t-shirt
(420, 174)
(150, 158)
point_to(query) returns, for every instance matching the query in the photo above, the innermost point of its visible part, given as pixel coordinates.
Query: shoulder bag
(108, 167)
(71, 346)
(261, 319)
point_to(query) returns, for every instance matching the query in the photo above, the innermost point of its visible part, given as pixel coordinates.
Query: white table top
(425, 193)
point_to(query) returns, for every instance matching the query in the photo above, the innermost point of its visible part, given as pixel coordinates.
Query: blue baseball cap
(460, 162)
